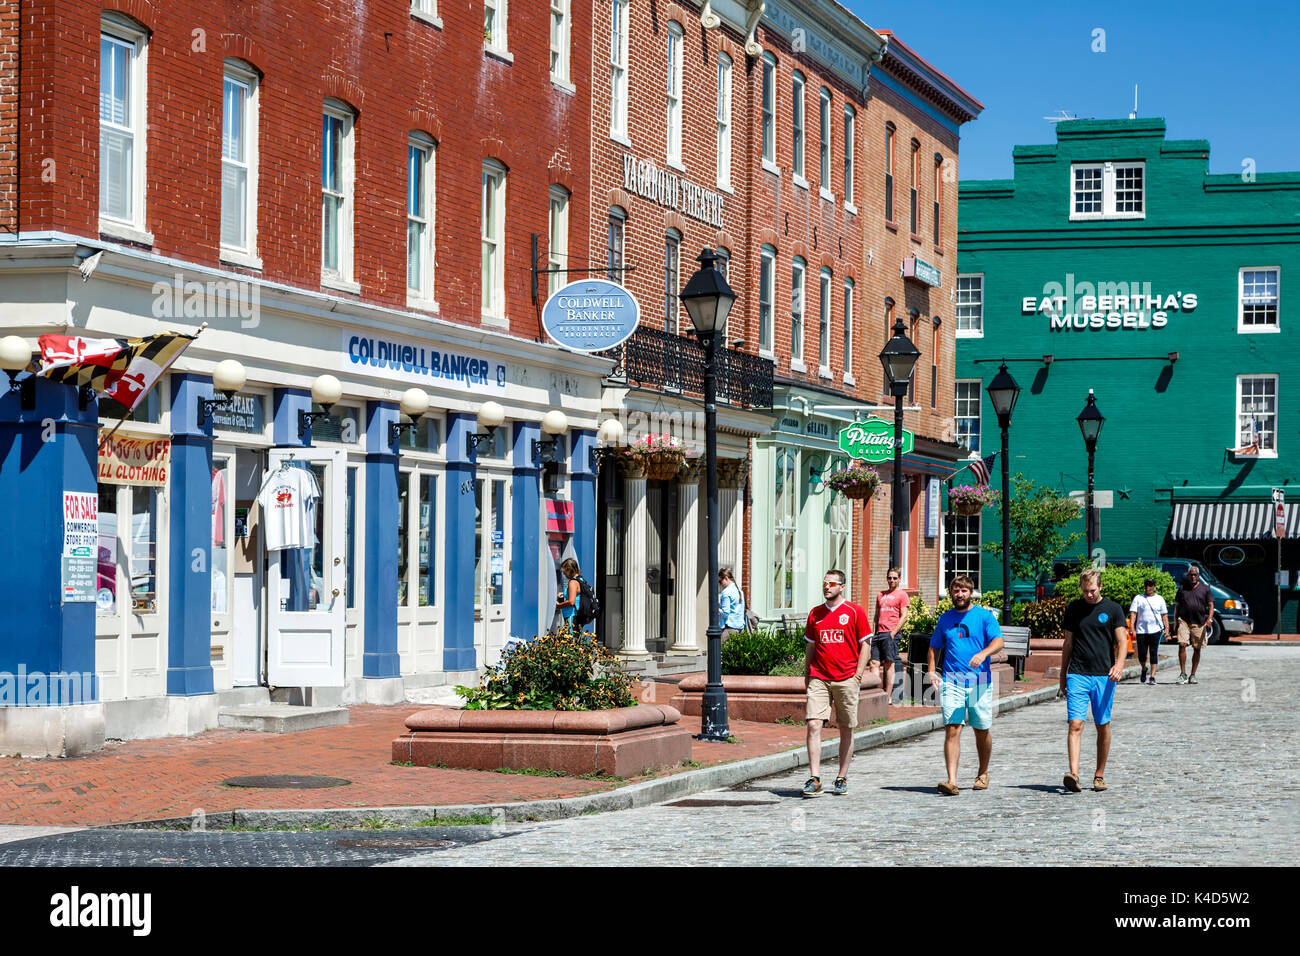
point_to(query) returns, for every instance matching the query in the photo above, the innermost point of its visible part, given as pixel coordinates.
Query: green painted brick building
(1114, 261)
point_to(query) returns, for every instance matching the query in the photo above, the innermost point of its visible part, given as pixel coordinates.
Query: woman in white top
(1148, 618)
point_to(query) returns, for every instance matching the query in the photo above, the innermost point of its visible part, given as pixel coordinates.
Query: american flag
(982, 468)
(1252, 447)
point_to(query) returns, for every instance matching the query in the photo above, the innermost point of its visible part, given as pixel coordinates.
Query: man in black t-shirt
(1092, 662)
(1193, 616)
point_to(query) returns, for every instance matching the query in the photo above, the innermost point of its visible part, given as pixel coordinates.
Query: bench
(1015, 643)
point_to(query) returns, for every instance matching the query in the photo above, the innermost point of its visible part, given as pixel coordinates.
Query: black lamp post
(709, 299)
(1090, 421)
(899, 359)
(1003, 392)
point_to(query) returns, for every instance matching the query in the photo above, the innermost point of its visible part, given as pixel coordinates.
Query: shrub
(561, 671)
(1121, 583)
(759, 652)
(1043, 618)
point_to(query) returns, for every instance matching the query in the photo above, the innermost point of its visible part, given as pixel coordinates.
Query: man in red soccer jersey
(838, 652)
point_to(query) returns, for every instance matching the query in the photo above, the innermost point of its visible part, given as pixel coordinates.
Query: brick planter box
(768, 699)
(1044, 654)
(623, 742)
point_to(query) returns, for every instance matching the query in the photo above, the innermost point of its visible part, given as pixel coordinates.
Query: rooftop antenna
(1134, 114)
(1059, 119)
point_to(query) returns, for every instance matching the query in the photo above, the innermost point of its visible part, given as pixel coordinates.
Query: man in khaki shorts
(838, 652)
(1193, 612)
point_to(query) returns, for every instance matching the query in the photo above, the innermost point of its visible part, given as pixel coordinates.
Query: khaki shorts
(1191, 634)
(843, 692)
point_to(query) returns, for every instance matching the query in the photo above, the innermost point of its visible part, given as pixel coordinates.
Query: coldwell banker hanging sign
(590, 315)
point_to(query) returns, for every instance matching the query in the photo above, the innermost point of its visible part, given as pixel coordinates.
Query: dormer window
(1108, 191)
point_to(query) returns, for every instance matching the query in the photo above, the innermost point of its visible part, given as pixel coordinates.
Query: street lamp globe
(1090, 420)
(707, 296)
(899, 357)
(15, 353)
(1003, 392)
(555, 422)
(229, 377)
(415, 402)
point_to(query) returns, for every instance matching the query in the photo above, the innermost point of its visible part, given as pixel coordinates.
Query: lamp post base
(713, 715)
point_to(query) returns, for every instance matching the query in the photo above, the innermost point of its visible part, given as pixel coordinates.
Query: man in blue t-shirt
(968, 636)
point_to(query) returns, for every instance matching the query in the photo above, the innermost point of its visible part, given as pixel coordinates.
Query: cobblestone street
(1201, 775)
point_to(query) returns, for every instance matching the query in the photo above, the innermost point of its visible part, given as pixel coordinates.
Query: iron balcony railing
(675, 363)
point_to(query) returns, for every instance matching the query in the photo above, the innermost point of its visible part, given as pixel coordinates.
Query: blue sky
(1228, 73)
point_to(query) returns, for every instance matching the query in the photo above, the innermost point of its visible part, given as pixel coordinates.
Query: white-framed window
(788, 492)
(963, 547)
(672, 272)
(1258, 291)
(724, 120)
(673, 89)
(239, 161)
(123, 49)
(618, 68)
(427, 7)
(841, 514)
(850, 123)
(614, 243)
(891, 136)
(495, 15)
(1108, 191)
(966, 414)
(420, 159)
(337, 187)
(848, 330)
(558, 240)
(493, 227)
(766, 296)
(824, 322)
(561, 23)
(1257, 413)
(797, 270)
(796, 106)
(824, 137)
(970, 306)
(769, 110)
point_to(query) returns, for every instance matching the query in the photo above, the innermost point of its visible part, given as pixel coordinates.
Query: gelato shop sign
(1106, 305)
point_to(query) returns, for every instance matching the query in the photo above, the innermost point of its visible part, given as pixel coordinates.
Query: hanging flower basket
(661, 456)
(859, 481)
(970, 500)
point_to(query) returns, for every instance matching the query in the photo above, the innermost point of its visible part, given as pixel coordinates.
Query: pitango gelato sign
(1106, 305)
(873, 440)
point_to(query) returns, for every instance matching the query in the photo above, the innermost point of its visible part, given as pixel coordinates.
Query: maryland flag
(121, 369)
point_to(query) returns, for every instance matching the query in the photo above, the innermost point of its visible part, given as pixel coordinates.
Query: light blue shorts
(973, 705)
(1083, 690)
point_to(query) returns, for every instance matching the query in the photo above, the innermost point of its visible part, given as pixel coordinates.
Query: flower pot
(662, 466)
(967, 509)
(858, 492)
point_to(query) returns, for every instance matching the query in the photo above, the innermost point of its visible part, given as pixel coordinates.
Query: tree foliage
(1038, 516)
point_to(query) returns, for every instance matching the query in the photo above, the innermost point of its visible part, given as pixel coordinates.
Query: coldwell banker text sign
(417, 363)
(590, 315)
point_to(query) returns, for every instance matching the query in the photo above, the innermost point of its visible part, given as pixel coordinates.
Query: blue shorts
(962, 704)
(1082, 690)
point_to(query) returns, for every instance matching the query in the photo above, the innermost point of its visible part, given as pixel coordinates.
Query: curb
(622, 798)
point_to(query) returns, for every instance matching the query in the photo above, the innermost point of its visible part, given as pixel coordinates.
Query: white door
(491, 567)
(305, 586)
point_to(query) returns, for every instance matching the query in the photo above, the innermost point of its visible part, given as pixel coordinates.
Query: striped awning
(1230, 521)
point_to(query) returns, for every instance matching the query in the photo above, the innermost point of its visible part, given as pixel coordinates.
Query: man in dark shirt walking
(1092, 662)
(1193, 612)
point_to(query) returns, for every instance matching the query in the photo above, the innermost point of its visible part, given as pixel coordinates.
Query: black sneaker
(1143, 678)
(841, 786)
(813, 788)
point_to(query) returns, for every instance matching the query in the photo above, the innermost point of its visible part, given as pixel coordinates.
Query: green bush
(561, 671)
(1043, 618)
(1120, 583)
(762, 651)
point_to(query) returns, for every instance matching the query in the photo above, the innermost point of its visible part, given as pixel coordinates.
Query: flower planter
(769, 699)
(859, 492)
(622, 742)
(663, 467)
(967, 509)
(1044, 656)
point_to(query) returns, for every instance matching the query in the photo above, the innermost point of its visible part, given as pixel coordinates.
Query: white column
(634, 568)
(729, 536)
(687, 585)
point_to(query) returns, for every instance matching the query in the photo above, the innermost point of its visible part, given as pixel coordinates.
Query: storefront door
(305, 584)
(491, 596)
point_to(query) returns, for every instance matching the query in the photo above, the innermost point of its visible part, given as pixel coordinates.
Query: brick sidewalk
(175, 776)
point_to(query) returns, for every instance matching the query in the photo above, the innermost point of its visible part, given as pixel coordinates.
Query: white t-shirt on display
(288, 500)
(1148, 611)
